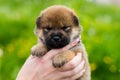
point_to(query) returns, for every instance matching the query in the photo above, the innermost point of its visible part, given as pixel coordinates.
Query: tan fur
(56, 17)
(63, 57)
(39, 49)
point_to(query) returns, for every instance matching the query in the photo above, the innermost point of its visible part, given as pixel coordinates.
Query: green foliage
(101, 26)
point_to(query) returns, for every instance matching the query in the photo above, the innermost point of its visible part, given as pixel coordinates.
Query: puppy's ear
(38, 21)
(75, 20)
(37, 28)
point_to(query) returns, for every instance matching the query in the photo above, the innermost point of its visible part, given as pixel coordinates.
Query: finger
(67, 79)
(50, 54)
(73, 63)
(74, 71)
(72, 44)
(53, 52)
(68, 75)
(31, 57)
(56, 75)
(81, 73)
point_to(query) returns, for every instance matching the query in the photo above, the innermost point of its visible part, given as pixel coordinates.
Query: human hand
(40, 68)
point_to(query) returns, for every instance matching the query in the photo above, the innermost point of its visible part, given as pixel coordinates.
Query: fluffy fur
(56, 27)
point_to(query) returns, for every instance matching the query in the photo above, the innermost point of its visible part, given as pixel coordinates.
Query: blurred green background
(101, 34)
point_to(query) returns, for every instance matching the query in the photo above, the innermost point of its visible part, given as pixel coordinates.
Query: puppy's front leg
(38, 50)
(62, 58)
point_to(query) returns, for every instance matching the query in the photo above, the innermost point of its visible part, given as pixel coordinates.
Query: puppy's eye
(47, 28)
(66, 28)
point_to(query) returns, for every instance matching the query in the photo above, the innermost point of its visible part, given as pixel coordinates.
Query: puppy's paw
(62, 58)
(38, 50)
(59, 61)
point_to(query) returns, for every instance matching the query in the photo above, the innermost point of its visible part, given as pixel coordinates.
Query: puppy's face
(57, 26)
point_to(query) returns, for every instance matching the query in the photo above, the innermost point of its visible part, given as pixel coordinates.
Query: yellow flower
(93, 66)
(107, 60)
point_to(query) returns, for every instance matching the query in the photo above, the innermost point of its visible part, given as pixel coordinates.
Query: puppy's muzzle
(56, 38)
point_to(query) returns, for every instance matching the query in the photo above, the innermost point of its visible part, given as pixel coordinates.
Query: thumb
(71, 45)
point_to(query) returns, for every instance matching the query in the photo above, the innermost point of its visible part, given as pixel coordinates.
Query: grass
(100, 35)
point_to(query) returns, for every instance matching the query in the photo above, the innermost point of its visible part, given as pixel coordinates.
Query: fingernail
(75, 42)
(78, 39)
(83, 62)
(79, 54)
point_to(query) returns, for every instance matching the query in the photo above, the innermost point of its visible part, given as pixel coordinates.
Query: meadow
(101, 34)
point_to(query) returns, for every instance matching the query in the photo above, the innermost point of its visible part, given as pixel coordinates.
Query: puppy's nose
(56, 38)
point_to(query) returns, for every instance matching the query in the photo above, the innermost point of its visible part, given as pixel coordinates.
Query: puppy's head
(57, 26)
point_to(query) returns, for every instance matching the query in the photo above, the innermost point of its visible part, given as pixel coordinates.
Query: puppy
(56, 27)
